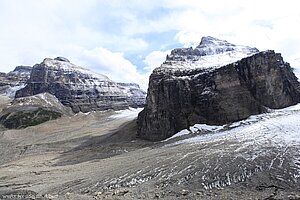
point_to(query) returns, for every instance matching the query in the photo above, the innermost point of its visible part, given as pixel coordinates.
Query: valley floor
(97, 156)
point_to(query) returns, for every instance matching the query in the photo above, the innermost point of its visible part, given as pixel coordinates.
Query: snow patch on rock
(11, 91)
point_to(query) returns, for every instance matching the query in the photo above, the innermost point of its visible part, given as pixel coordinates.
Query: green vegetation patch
(23, 119)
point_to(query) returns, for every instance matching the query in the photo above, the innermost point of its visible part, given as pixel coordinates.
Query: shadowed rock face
(78, 88)
(180, 97)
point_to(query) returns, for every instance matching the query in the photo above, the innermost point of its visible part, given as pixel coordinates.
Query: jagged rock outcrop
(76, 87)
(14, 80)
(189, 89)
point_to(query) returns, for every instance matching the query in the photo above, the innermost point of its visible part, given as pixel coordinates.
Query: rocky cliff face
(192, 88)
(76, 87)
(14, 80)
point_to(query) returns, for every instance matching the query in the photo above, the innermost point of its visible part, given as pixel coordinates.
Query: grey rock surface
(14, 80)
(78, 88)
(181, 97)
(135, 95)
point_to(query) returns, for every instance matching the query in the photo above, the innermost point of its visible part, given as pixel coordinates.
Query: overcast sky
(126, 39)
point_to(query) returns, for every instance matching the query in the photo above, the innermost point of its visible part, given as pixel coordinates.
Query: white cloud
(262, 24)
(188, 39)
(155, 59)
(34, 29)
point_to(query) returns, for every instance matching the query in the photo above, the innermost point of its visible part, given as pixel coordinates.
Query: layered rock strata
(79, 88)
(194, 88)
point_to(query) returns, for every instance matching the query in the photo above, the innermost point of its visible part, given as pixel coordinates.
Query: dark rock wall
(178, 98)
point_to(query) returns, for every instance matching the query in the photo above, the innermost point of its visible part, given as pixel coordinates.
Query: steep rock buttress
(215, 83)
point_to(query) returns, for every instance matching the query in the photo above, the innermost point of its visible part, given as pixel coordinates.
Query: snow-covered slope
(280, 127)
(63, 64)
(266, 144)
(211, 52)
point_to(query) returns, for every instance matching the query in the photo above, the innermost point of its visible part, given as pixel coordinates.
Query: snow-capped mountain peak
(208, 40)
(211, 52)
(65, 65)
(23, 71)
(211, 46)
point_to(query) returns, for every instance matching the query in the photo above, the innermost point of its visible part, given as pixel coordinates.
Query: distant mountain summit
(211, 52)
(212, 46)
(80, 88)
(52, 88)
(14, 80)
(215, 83)
(21, 71)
